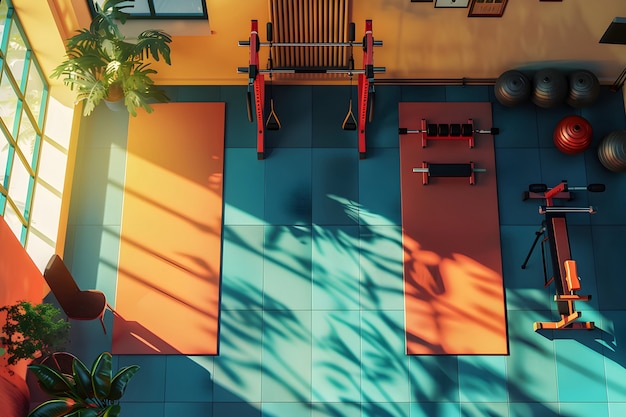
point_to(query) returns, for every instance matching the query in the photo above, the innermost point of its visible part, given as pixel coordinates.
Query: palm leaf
(53, 382)
(120, 380)
(153, 43)
(101, 374)
(52, 408)
(82, 379)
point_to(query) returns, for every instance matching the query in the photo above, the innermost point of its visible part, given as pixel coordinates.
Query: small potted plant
(32, 331)
(86, 392)
(102, 64)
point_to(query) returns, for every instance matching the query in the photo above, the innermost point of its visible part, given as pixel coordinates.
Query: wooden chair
(77, 304)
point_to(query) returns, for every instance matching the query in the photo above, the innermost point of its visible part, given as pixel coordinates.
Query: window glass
(46, 212)
(16, 55)
(175, 7)
(161, 8)
(19, 185)
(14, 222)
(4, 8)
(35, 94)
(8, 102)
(27, 141)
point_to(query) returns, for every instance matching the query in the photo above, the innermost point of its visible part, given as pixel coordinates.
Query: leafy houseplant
(85, 393)
(32, 331)
(101, 64)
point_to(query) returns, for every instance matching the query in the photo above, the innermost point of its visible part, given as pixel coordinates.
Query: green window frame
(23, 105)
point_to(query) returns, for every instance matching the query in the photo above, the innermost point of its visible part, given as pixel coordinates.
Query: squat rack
(256, 80)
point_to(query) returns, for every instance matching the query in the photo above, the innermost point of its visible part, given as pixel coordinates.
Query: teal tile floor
(312, 319)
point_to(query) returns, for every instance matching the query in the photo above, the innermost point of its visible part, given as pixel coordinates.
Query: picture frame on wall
(487, 8)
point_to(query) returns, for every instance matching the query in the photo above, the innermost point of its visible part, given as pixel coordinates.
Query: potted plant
(32, 331)
(87, 392)
(101, 64)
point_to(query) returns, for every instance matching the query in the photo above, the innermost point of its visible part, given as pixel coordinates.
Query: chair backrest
(61, 281)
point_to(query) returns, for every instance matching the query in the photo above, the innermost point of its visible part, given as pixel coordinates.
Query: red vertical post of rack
(258, 82)
(364, 84)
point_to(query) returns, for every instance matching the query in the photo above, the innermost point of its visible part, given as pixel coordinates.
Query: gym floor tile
(287, 270)
(437, 409)
(335, 271)
(239, 131)
(433, 380)
(471, 93)
(420, 94)
(237, 409)
(581, 409)
(533, 409)
(606, 114)
(242, 282)
(384, 369)
(379, 409)
(518, 126)
(330, 109)
(335, 187)
(614, 352)
(287, 345)
(609, 246)
(379, 188)
(148, 385)
(482, 409)
(336, 357)
(288, 187)
(189, 409)
(382, 284)
(525, 289)
(516, 170)
(343, 409)
(237, 369)
(482, 379)
(151, 409)
(100, 185)
(530, 368)
(244, 197)
(385, 119)
(579, 380)
(293, 106)
(271, 409)
(189, 379)
(547, 121)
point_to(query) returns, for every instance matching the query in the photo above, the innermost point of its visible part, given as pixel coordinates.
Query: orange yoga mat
(167, 299)
(453, 290)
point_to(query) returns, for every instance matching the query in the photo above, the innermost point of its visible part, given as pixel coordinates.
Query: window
(33, 150)
(162, 9)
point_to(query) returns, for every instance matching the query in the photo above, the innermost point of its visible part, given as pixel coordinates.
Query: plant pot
(115, 98)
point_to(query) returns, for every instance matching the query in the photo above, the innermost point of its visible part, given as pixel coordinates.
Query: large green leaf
(155, 43)
(118, 385)
(53, 382)
(82, 379)
(52, 408)
(101, 375)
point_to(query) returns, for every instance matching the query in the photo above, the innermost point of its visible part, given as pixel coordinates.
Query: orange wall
(20, 278)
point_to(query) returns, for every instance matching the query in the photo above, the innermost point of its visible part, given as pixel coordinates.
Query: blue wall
(312, 305)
